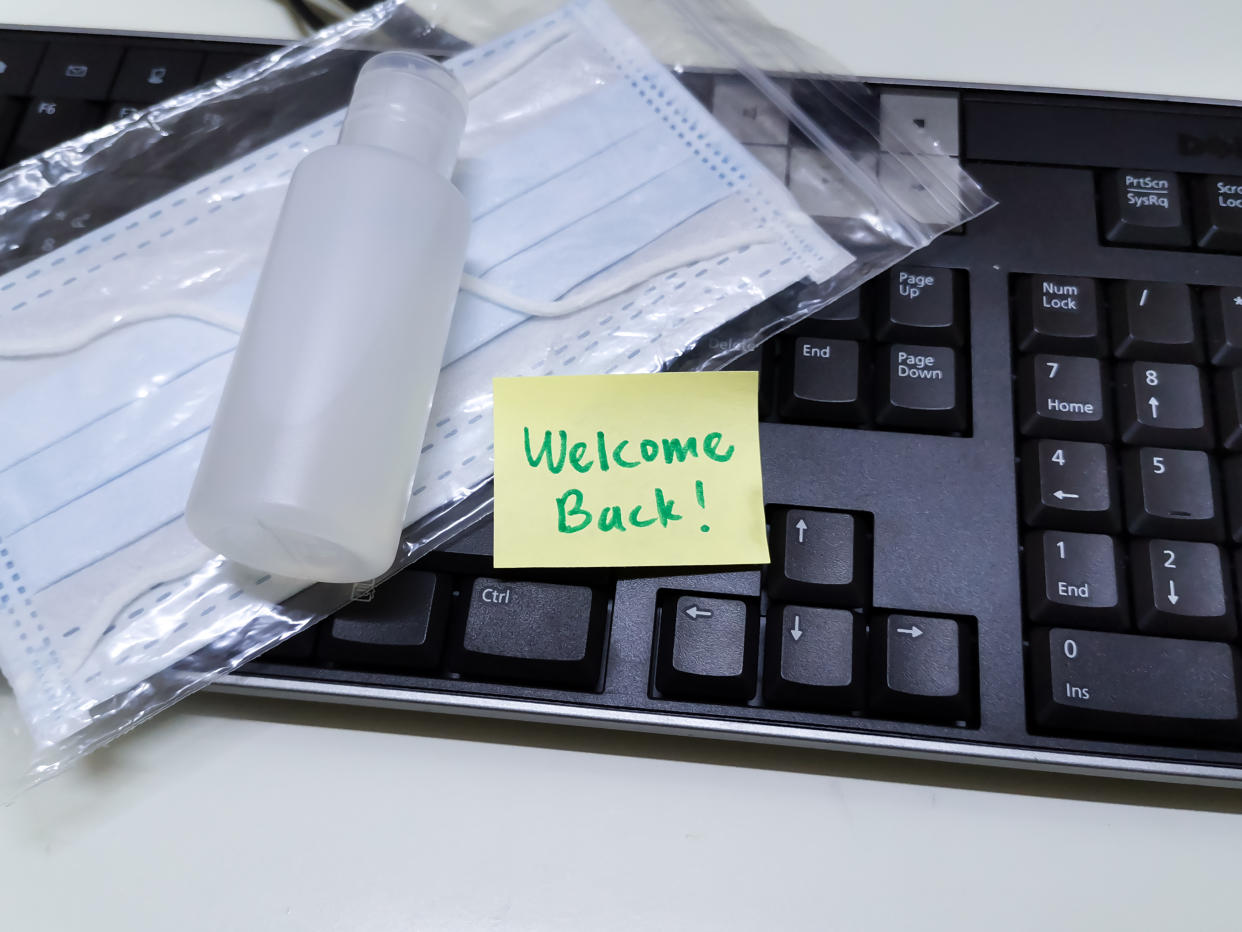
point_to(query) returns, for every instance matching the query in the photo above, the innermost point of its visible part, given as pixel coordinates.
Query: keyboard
(1003, 479)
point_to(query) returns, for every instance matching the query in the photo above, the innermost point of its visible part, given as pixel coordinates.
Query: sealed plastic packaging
(628, 213)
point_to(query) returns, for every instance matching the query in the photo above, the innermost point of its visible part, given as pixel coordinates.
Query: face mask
(614, 224)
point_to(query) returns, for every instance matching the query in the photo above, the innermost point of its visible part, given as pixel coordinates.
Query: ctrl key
(533, 632)
(1134, 686)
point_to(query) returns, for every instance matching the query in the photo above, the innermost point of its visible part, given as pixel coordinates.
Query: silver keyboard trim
(701, 727)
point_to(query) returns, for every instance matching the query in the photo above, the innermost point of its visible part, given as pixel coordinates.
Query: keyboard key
(749, 114)
(120, 110)
(20, 60)
(1228, 396)
(823, 382)
(919, 121)
(1172, 493)
(1069, 484)
(1154, 320)
(1059, 314)
(1127, 685)
(843, 319)
(402, 628)
(919, 388)
(709, 648)
(698, 84)
(921, 669)
(534, 632)
(774, 158)
(48, 123)
(1163, 403)
(149, 75)
(1217, 205)
(1063, 396)
(1182, 589)
(1143, 208)
(815, 659)
(819, 556)
(922, 305)
(753, 361)
(1231, 471)
(81, 70)
(298, 649)
(1222, 323)
(219, 63)
(11, 111)
(1075, 577)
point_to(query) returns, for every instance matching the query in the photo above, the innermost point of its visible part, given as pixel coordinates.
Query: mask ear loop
(111, 605)
(584, 297)
(75, 338)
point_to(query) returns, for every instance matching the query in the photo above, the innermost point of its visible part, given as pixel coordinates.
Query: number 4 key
(1070, 484)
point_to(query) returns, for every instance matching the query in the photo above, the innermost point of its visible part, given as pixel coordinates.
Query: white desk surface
(237, 814)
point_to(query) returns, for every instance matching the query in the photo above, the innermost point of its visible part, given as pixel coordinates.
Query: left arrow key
(708, 647)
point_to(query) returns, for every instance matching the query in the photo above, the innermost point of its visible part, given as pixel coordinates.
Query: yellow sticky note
(628, 470)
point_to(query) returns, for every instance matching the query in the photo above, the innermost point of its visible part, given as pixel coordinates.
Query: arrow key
(814, 659)
(1070, 484)
(1163, 403)
(819, 556)
(923, 669)
(1181, 590)
(708, 648)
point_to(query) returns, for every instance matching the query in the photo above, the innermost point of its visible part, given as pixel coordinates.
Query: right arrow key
(923, 669)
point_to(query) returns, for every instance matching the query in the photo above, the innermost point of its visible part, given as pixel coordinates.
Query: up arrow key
(818, 558)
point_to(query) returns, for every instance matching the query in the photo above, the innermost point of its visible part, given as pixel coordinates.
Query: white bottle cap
(410, 104)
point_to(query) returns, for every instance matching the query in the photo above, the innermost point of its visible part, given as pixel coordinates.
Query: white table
(231, 814)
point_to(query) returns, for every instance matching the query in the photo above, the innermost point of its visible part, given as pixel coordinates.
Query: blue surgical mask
(615, 223)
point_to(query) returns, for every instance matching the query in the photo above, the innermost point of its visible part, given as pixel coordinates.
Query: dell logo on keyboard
(1216, 146)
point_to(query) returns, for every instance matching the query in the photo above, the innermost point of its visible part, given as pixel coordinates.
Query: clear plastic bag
(661, 242)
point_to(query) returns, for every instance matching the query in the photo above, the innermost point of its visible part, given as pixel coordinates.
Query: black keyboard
(1004, 480)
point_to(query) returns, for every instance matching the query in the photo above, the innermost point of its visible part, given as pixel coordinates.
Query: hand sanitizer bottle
(308, 467)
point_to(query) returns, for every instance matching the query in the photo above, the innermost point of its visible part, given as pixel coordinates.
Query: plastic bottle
(309, 464)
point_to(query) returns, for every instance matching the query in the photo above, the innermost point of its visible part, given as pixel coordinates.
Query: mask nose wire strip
(584, 297)
(491, 79)
(75, 338)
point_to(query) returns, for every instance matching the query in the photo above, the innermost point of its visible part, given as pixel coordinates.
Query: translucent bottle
(308, 468)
